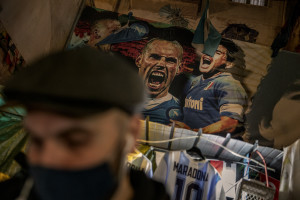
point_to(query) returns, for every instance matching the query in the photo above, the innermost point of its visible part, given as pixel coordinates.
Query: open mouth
(156, 79)
(206, 60)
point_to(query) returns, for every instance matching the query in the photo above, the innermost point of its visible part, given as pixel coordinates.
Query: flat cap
(78, 82)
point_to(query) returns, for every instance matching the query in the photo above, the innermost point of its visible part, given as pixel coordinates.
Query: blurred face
(158, 67)
(284, 129)
(60, 142)
(104, 28)
(209, 64)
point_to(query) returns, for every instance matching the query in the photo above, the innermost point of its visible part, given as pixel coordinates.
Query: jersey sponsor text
(194, 104)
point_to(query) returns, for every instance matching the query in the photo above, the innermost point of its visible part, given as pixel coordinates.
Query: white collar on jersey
(155, 102)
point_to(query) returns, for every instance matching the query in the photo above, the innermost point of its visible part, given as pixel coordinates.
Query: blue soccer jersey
(185, 178)
(161, 110)
(209, 99)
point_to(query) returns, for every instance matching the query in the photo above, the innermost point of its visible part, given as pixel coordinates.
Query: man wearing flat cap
(81, 127)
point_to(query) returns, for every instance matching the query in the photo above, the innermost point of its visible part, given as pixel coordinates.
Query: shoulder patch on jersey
(174, 113)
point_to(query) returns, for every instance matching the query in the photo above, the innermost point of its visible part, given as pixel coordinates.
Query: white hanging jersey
(188, 179)
(290, 172)
(228, 173)
(138, 161)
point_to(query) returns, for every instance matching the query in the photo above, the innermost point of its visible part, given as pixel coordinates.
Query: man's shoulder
(226, 78)
(194, 81)
(174, 99)
(169, 99)
(146, 188)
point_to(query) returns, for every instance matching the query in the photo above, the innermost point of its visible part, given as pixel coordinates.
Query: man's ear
(138, 60)
(178, 69)
(135, 126)
(228, 65)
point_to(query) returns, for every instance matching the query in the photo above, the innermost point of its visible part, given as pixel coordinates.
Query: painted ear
(138, 60)
(229, 65)
(179, 68)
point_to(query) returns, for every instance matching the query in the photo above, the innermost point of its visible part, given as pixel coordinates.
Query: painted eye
(171, 60)
(295, 97)
(155, 56)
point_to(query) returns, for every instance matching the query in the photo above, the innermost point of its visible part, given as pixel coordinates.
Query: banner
(184, 87)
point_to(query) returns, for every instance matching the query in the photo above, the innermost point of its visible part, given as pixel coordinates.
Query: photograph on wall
(184, 87)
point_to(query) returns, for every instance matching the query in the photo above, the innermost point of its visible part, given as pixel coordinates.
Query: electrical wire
(266, 171)
(265, 166)
(202, 137)
(165, 141)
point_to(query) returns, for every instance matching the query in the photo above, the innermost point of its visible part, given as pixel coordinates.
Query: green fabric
(212, 42)
(213, 39)
(13, 137)
(199, 32)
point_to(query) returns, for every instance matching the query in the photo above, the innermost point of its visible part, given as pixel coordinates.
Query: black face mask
(91, 184)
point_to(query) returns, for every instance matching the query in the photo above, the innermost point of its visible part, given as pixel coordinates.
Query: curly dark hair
(236, 56)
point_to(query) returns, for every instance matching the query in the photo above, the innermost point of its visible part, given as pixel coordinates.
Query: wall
(38, 27)
(266, 20)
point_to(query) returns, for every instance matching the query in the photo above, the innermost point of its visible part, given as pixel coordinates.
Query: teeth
(157, 74)
(154, 85)
(207, 59)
